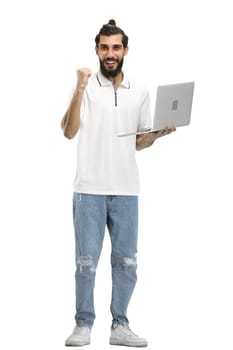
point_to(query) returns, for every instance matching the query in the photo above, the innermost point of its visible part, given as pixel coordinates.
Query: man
(106, 185)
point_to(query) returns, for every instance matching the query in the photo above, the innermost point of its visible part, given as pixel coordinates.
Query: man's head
(111, 47)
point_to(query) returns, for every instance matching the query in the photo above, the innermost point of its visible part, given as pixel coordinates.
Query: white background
(183, 298)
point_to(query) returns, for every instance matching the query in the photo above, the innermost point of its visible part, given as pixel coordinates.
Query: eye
(117, 47)
(104, 47)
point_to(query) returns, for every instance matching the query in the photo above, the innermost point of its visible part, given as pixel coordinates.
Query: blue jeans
(91, 214)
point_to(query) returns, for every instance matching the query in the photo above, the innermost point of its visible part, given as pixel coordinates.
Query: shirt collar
(103, 81)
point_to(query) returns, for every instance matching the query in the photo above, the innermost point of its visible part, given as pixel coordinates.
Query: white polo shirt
(106, 163)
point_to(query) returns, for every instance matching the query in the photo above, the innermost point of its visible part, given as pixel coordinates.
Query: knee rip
(124, 262)
(130, 261)
(86, 262)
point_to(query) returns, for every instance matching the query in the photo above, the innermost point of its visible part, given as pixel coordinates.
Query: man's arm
(147, 140)
(71, 121)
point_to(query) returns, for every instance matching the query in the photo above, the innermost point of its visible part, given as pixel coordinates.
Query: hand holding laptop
(147, 139)
(158, 133)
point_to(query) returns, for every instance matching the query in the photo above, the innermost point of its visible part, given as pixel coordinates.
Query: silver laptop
(173, 107)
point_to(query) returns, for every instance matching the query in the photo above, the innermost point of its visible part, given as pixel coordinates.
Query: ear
(126, 51)
(97, 50)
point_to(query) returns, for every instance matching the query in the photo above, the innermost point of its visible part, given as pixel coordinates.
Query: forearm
(71, 120)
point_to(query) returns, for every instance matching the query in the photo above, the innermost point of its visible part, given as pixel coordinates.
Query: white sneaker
(79, 337)
(121, 334)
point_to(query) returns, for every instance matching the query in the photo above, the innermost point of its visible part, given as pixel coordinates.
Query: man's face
(111, 54)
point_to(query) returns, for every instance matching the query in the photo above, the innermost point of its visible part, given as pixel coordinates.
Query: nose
(110, 52)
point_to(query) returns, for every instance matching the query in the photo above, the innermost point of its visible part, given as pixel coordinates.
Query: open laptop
(173, 107)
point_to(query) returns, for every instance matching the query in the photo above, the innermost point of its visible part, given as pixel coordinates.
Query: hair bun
(111, 22)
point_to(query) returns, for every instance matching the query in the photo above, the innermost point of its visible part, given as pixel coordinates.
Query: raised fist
(83, 74)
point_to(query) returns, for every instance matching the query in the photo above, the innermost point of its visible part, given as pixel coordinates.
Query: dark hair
(111, 29)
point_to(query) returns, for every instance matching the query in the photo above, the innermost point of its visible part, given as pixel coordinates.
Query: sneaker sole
(119, 343)
(73, 343)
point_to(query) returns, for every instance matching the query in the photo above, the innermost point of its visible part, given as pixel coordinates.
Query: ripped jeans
(91, 214)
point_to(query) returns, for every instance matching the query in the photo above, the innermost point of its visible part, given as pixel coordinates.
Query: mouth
(111, 63)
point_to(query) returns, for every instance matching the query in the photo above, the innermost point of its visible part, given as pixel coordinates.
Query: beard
(111, 73)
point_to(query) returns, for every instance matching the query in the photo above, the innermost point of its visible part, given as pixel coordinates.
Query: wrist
(79, 90)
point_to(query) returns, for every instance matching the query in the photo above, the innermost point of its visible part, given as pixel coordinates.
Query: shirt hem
(107, 192)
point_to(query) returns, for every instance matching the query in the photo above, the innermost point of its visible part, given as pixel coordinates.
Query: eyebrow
(115, 46)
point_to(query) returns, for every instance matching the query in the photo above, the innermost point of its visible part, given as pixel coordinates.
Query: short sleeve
(144, 121)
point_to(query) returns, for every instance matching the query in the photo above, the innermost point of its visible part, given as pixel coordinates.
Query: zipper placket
(115, 96)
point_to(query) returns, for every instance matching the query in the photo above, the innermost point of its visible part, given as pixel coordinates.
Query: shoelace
(127, 330)
(80, 330)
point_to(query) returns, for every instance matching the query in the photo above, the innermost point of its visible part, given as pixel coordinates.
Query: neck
(117, 79)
